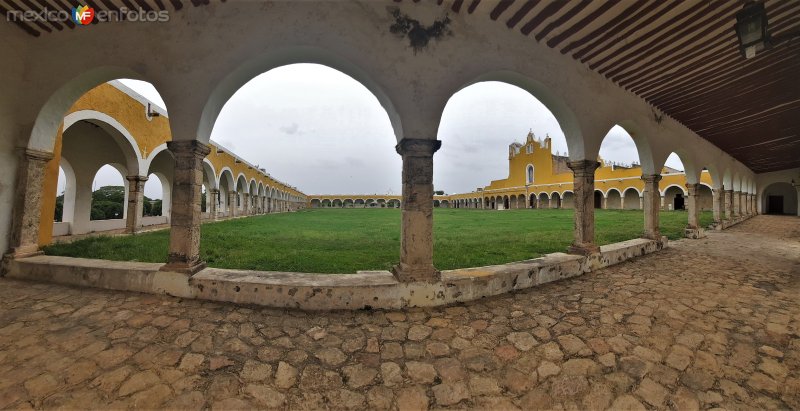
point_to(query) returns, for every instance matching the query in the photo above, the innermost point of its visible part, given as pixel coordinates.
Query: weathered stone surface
(450, 393)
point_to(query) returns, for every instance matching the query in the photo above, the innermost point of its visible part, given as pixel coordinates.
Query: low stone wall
(730, 222)
(363, 290)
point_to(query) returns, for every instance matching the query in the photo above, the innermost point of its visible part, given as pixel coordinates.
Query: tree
(108, 203)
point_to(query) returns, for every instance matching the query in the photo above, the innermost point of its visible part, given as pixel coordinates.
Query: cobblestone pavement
(705, 323)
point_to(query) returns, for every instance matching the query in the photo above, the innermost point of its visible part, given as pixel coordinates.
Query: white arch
(230, 180)
(255, 66)
(156, 151)
(50, 116)
(208, 167)
(631, 188)
(609, 191)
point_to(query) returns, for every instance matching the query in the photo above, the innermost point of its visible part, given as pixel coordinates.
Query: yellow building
(539, 179)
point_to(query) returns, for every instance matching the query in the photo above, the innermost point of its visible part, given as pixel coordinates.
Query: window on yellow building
(530, 174)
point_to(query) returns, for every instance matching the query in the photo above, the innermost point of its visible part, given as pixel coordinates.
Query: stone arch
(247, 70)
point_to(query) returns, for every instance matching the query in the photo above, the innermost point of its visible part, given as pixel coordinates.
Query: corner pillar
(737, 207)
(133, 222)
(652, 205)
(26, 215)
(583, 187)
(184, 236)
(416, 232)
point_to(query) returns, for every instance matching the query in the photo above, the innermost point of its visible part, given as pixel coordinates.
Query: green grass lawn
(347, 240)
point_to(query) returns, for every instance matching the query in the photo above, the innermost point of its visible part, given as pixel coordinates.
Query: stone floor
(703, 324)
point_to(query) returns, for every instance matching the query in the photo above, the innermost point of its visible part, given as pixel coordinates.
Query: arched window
(530, 174)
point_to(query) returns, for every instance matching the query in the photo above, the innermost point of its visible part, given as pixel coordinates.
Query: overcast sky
(323, 132)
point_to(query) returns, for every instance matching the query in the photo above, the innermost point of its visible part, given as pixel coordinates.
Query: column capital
(727, 190)
(417, 147)
(188, 148)
(651, 178)
(36, 155)
(691, 188)
(136, 179)
(583, 168)
(214, 191)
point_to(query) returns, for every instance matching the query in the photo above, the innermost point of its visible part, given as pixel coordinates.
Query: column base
(652, 236)
(694, 233)
(16, 253)
(183, 268)
(408, 274)
(583, 249)
(24, 251)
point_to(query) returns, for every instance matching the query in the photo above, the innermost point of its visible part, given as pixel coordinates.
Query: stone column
(416, 232)
(717, 201)
(246, 204)
(691, 205)
(693, 229)
(737, 196)
(24, 236)
(135, 203)
(212, 208)
(652, 202)
(184, 237)
(641, 202)
(232, 197)
(728, 204)
(583, 187)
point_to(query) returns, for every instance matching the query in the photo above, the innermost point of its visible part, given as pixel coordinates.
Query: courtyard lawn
(348, 240)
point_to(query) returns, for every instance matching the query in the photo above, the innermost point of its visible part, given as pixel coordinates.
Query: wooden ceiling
(681, 56)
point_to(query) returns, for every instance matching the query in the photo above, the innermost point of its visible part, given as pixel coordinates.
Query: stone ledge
(363, 290)
(730, 222)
